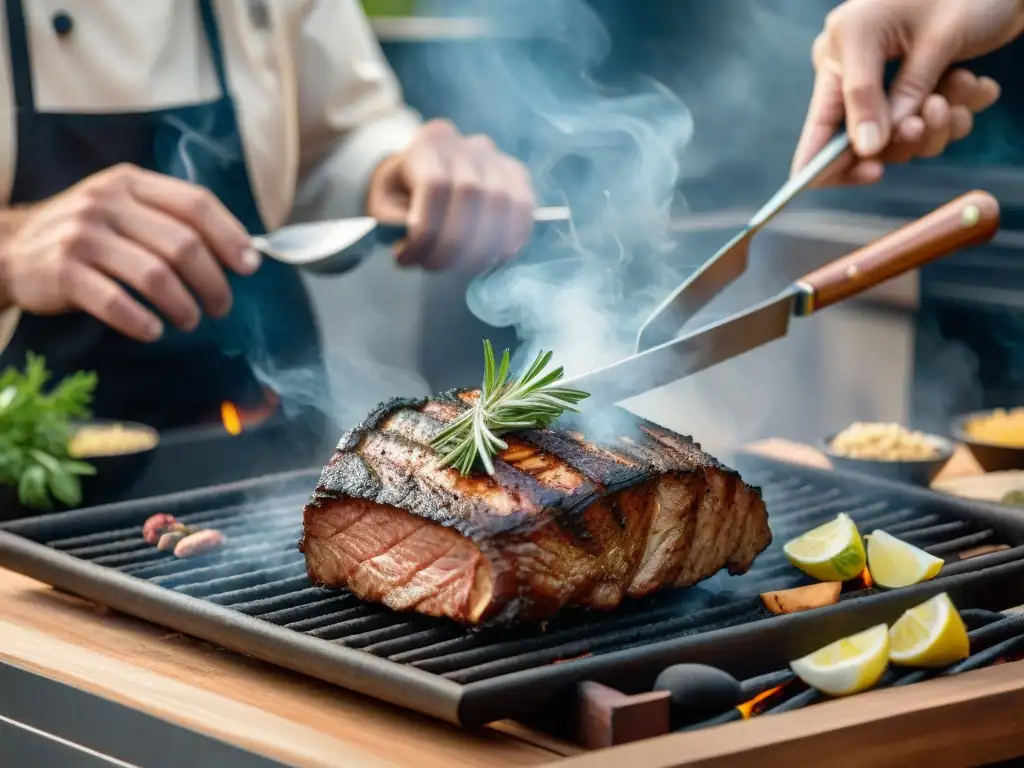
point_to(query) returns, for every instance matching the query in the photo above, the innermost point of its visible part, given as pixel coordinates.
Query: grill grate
(995, 638)
(260, 574)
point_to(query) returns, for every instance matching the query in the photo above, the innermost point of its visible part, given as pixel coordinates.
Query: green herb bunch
(504, 405)
(35, 428)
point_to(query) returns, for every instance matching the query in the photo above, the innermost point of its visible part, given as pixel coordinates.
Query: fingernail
(251, 259)
(903, 107)
(869, 138)
(224, 309)
(154, 329)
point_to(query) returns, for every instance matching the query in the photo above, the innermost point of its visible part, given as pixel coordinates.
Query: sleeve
(351, 111)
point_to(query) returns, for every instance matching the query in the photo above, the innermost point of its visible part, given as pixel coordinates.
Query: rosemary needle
(504, 405)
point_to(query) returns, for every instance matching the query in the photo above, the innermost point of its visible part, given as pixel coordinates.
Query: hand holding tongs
(730, 261)
(970, 219)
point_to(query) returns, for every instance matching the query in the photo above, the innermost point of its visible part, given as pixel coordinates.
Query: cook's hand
(927, 107)
(126, 226)
(463, 201)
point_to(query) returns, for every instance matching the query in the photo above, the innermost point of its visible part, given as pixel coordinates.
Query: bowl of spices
(890, 451)
(996, 437)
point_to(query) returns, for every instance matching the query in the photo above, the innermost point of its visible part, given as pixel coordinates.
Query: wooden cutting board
(989, 487)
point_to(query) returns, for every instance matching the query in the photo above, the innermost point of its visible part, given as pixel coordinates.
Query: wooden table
(302, 722)
(270, 711)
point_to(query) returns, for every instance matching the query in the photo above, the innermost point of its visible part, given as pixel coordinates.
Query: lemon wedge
(831, 552)
(929, 635)
(894, 563)
(847, 666)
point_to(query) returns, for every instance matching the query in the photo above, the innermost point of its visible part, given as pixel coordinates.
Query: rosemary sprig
(504, 405)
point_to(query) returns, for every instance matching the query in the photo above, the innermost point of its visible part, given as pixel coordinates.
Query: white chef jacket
(317, 104)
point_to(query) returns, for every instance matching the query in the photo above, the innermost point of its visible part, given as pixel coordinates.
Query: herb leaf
(504, 405)
(32, 488)
(35, 428)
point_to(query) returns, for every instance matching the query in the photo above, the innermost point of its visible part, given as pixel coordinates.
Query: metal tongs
(662, 358)
(694, 293)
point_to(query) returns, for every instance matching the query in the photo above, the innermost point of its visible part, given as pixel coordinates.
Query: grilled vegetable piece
(802, 598)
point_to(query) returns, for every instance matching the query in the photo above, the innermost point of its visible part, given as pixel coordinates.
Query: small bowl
(992, 457)
(918, 472)
(117, 471)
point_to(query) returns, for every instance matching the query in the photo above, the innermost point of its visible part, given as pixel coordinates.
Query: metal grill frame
(989, 582)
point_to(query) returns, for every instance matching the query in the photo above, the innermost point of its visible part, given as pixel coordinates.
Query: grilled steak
(563, 521)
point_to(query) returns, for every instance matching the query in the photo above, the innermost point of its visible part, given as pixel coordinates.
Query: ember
(762, 701)
(571, 658)
(865, 579)
(229, 416)
(1009, 659)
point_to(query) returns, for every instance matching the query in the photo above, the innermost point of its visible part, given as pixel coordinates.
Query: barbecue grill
(253, 595)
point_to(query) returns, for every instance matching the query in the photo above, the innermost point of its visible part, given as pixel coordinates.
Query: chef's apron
(183, 378)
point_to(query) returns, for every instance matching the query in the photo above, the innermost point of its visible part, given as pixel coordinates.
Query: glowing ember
(865, 579)
(757, 704)
(572, 658)
(229, 416)
(1008, 659)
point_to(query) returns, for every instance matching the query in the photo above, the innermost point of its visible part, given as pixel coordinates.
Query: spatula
(334, 246)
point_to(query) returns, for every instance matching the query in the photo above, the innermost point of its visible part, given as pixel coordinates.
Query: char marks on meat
(562, 522)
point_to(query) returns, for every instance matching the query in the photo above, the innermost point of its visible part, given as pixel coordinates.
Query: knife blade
(730, 261)
(970, 219)
(689, 354)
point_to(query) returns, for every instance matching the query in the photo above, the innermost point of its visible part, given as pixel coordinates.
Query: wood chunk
(988, 549)
(802, 598)
(606, 717)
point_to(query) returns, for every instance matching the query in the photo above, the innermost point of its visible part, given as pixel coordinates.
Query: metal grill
(253, 595)
(995, 638)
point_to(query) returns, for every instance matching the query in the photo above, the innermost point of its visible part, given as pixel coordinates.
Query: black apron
(182, 379)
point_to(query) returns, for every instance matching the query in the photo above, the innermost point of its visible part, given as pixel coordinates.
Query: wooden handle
(970, 219)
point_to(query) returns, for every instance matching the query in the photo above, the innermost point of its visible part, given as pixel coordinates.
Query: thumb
(864, 100)
(387, 198)
(918, 77)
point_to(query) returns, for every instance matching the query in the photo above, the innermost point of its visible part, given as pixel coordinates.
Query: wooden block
(606, 717)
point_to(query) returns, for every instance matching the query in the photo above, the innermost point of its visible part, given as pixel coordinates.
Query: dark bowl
(991, 456)
(114, 474)
(918, 472)
(116, 471)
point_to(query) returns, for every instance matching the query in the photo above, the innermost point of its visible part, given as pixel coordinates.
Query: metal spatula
(338, 245)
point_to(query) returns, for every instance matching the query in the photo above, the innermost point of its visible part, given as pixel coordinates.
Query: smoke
(630, 114)
(612, 154)
(612, 118)
(632, 119)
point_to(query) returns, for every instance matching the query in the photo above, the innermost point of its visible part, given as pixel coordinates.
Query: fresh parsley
(35, 429)
(504, 405)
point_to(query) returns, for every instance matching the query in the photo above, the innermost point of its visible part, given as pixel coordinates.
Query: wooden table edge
(187, 682)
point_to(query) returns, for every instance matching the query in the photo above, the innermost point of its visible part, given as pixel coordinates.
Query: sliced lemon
(831, 552)
(929, 635)
(894, 563)
(850, 665)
